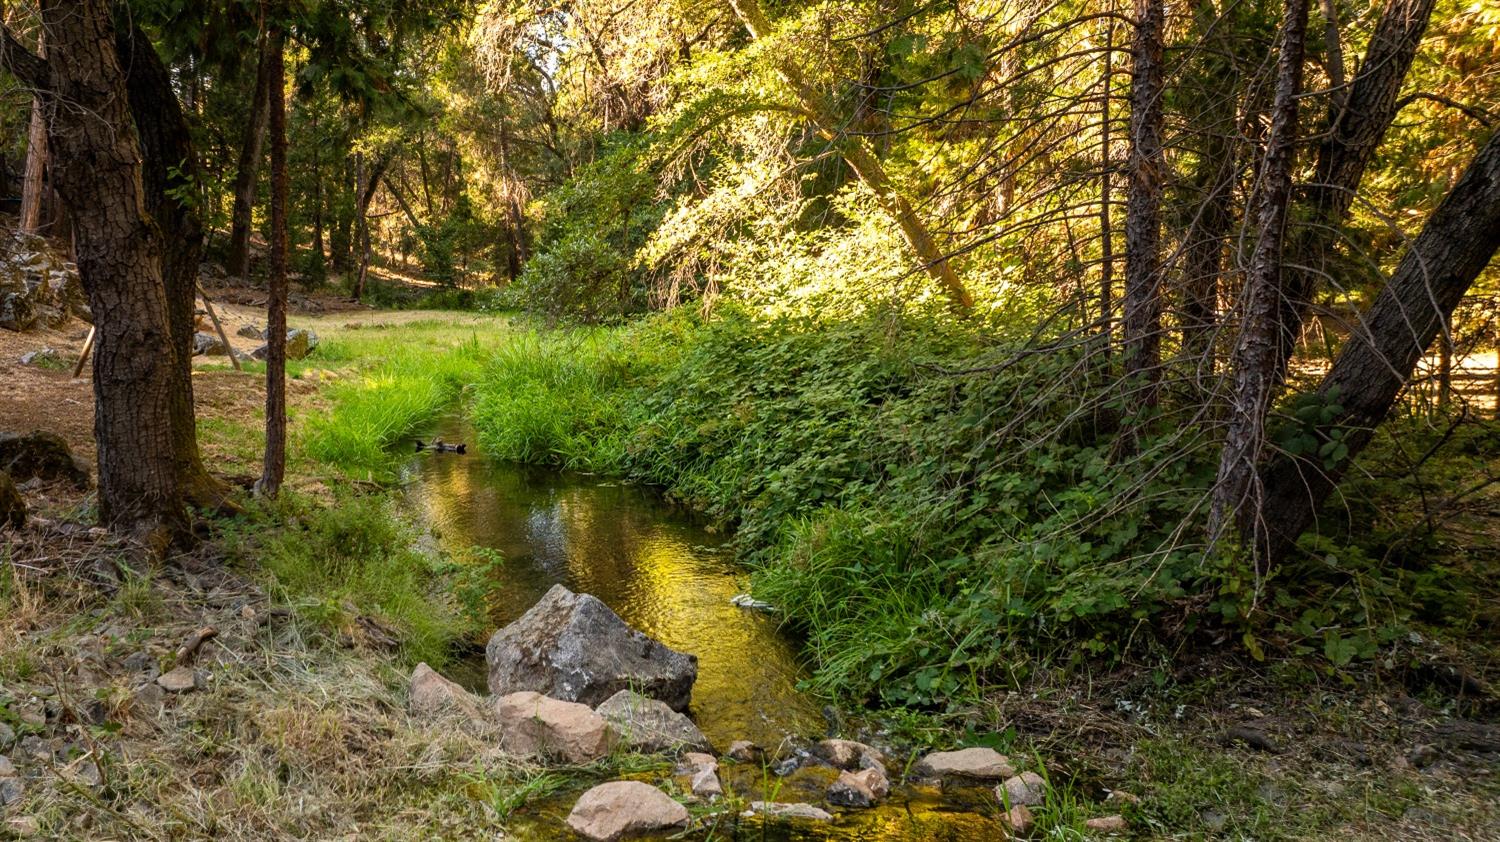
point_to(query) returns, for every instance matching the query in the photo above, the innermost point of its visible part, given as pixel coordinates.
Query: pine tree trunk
(34, 182)
(275, 461)
(1357, 122)
(1106, 172)
(248, 168)
(1237, 491)
(1377, 361)
(166, 144)
(1142, 339)
(96, 167)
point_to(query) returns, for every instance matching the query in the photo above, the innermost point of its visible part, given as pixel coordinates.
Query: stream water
(668, 576)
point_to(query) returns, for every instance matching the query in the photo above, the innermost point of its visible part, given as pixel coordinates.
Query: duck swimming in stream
(439, 446)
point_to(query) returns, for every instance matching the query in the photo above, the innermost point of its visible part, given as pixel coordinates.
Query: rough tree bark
(34, 181)
(1377, 361)
(1357, 122)
(166, 145)
(862, 160)
(1142, 335)
(96, 167)
(274, 468)
(248, 168)
(1237, 490)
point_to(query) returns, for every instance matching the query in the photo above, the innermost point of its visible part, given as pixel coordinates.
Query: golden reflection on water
(661, 573)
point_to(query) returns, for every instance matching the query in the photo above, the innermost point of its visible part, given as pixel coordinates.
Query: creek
(668, 575)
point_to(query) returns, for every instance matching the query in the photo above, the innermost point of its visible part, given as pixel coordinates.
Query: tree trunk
(1142, 340)
(1106, 171)
(1377, 361)
(96, 167)
(166, 144)
(860, 158)
(275, 462)
(33, 182)
(1237, 490)
(1357, 122)
(248, 168)
(320, 256)
(340, 239)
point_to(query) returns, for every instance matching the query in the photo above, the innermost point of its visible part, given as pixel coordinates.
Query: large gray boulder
(299, 343)
(208, 345)
(571, 646)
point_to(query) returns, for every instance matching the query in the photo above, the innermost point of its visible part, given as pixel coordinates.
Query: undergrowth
(936, 512)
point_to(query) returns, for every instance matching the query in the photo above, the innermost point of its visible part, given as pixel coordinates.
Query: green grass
(358, 553)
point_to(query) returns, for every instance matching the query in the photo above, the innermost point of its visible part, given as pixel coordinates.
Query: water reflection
(655, 568)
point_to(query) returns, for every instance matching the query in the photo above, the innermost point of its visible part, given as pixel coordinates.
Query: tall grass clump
(556, 399)
(385, 402)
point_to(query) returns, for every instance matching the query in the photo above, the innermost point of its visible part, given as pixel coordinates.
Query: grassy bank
(938, 514)
(337, 544)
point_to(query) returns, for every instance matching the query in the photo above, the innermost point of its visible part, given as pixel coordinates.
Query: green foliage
(386, 402)
(591, 228)
(889, 508)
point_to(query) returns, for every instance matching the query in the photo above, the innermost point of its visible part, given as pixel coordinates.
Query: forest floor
(298, 726)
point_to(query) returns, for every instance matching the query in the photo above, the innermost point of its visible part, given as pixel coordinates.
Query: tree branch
(21, 62)
(1485, 118)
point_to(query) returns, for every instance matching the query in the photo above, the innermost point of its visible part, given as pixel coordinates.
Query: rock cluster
(36, 285)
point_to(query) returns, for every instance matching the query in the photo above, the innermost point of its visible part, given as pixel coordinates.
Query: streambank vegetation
(1064, 371)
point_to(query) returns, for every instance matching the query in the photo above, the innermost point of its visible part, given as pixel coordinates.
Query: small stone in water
(977, 763)
(706, 783)
(775, 810)
(744, 751)
(621, 809)
(787, 766)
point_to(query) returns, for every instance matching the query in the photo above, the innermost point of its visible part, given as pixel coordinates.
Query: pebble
(1422, 756)
(7, 768)
(1107, 824)
(23, 827)
(182, 680)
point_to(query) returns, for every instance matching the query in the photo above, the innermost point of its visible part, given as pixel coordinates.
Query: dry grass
(294, 736)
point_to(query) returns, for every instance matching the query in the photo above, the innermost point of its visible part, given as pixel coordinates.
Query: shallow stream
(668, 576)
